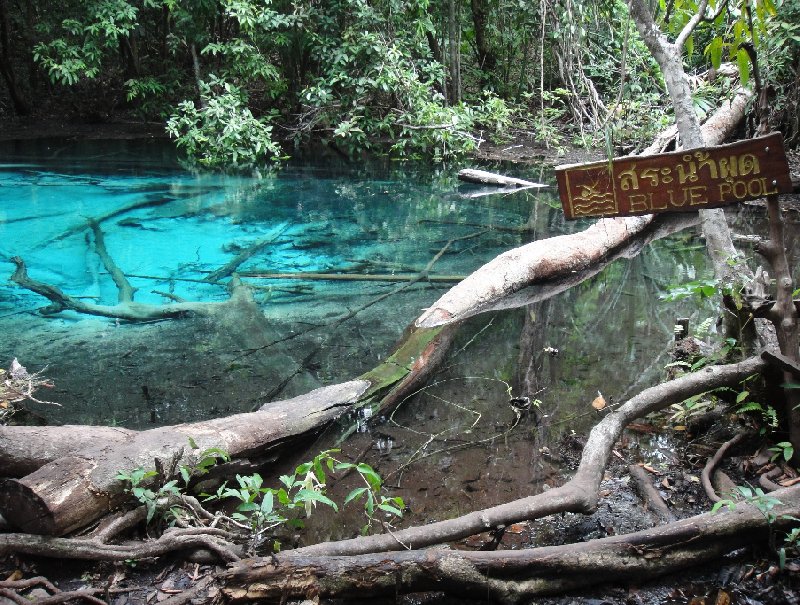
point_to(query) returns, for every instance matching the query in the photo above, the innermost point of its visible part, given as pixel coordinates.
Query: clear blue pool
(169, 230)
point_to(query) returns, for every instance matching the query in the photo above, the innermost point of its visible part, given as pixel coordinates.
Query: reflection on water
(180, 236)
(455, 446)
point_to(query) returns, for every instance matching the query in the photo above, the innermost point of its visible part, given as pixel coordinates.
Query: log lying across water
(60, 478)
(483, 177)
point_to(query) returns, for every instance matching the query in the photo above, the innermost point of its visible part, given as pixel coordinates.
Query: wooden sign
(682, 181)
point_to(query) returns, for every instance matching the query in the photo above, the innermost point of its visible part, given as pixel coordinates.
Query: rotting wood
(580, 494)
(483, 177)
(508, 576)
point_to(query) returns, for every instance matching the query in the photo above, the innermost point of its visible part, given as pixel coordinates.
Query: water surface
(170, 230)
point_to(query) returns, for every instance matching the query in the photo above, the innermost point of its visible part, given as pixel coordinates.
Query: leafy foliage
(260, 511)
(223, 132)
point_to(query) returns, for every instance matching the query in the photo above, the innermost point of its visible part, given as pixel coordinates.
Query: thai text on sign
(681, 181)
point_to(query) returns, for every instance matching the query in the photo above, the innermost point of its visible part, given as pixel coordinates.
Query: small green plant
(784, 450)
(260, 510)
(263, 509)
(374, 501)
(767, 413)
(765, 503)
(151, 498)
(693, 406)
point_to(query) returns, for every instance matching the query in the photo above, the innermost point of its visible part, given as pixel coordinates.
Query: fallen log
(508, 280)
(23, 449)
(483, 177)
(68, 473)
(75, 489)
(509, 576)
(539, 270)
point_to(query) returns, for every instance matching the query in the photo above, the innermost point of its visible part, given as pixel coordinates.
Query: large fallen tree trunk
(68, 473)
(73, 490)
(511, 279)
(509, 576)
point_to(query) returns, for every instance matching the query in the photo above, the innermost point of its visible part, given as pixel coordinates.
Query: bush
(222, 132)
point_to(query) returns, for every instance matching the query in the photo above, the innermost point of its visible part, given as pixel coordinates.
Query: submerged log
(483, 177)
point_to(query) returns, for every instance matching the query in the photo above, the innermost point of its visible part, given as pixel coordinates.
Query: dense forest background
(240, 82)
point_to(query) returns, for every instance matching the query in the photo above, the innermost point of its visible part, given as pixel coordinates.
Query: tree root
(91, 549)
(708, 470)
(11, 589)
(577, 495)
(507, 576)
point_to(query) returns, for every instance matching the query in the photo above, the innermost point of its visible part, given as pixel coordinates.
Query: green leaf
(370, 505)
(306, 495)
(390, 509)
(717, 505)
(267, 503)
(370, 475)
(743, 62)
(355, 494)
(742, 396)
(193, 444)
(714, 51)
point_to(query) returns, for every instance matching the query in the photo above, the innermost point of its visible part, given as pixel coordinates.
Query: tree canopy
(239, 82)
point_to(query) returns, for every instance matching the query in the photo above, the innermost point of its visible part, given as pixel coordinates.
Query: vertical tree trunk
(668, 56)
(728, 266)
(453, 30)
(6, 66)
(487, 61)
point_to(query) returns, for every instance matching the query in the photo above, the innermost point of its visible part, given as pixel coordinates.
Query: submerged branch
(577, 495)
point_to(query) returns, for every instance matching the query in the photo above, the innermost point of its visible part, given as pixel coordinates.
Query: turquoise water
(457, 444)
(169, 230)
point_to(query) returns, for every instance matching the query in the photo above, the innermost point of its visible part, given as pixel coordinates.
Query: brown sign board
(681, 181)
